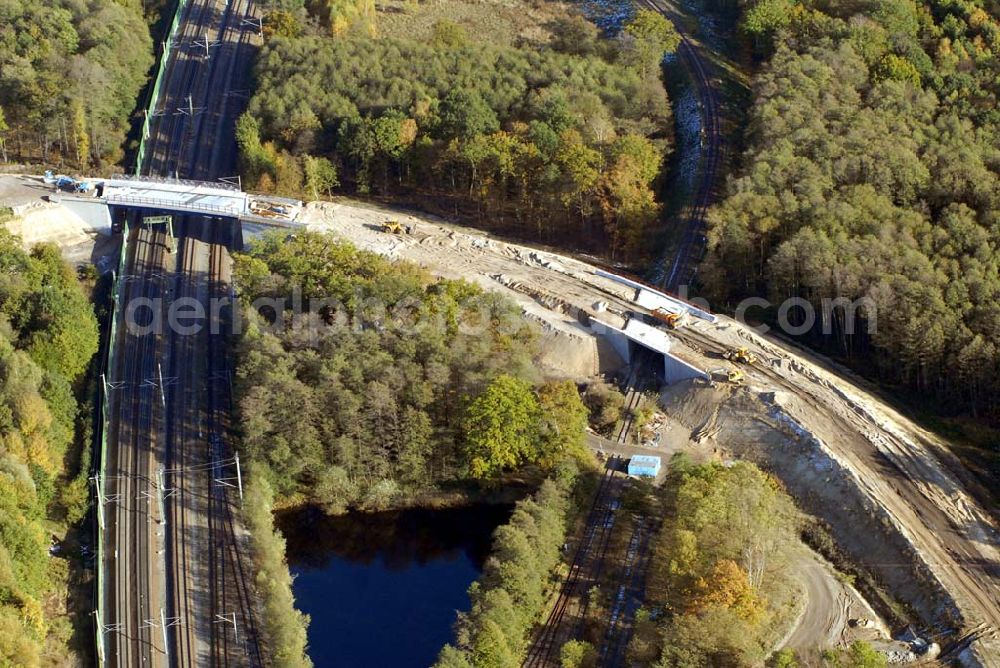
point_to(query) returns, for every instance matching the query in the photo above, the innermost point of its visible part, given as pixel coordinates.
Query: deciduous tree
(501, 427)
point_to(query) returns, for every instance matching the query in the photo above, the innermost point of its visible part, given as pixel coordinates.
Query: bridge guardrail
(154, 203)
(105, 425)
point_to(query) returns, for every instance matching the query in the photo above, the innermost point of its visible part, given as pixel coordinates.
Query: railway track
(213, 490)
(191, 134)
(693, 241)
(637, 382)
(130, 479)
(196, 453)
(633, 398)
(180, 590)
(169, 122)
(231, 595)
(587, 560)
(214, 136)
(222, 631)
(175, 551)
(544, 649)
(628, 591)
(182, 430)
(879, 457)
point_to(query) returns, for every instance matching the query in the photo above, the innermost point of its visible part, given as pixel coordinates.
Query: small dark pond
(382, 589)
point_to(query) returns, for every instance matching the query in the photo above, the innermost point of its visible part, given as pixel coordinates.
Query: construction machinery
(741, 355)
(269, 209)
(395, 227)
(67, 183)
(730, 375)
(672, 319)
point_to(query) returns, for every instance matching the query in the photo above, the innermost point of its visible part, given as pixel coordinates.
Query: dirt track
(830, 605)
(893, 462)
(937, 546)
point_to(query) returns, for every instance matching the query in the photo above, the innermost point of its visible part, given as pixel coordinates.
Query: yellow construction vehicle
(393, 227)
(730, 375)
(741, 355)
(669, 318)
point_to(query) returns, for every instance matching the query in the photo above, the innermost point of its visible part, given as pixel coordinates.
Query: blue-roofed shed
(645, 466)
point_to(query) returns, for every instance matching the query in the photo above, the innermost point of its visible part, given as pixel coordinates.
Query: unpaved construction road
(829, 606)
(904, 476)
(896, 499)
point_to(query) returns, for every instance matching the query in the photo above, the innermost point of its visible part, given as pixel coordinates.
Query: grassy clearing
(501, 22)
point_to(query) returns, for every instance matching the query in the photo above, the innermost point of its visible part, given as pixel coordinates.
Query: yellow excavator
(741, 355)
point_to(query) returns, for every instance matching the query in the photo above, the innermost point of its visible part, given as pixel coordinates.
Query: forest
(46, 343)
(561, 141)
(70, 72)
(388, 383)
(871, 173)
(720, 564)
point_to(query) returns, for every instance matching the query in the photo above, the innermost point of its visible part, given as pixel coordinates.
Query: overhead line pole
(163, 396)
(163, 627)
(239, 477)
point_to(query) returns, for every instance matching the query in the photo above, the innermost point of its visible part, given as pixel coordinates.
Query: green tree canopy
(522, 138)
(49, 336)
(649, 35)
(72, 71)
(501, 427)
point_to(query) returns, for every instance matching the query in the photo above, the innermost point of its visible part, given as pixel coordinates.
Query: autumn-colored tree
(526, 145)
(81, 140)
(449, 35)
(49, 338)
(720, 559)
(346, 17)
(281, 23)
(630, 206)
(726, 585)
(580, 171)
(897, 68)
(72, 74)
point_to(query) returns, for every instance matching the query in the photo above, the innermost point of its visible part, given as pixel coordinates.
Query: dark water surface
(382, 589)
